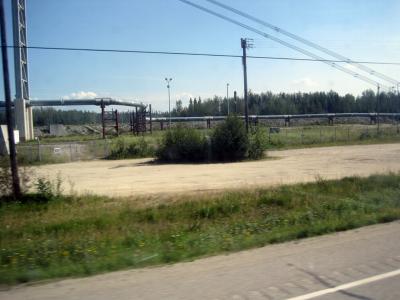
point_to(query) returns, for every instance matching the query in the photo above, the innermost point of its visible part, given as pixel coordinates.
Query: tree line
(267, 103)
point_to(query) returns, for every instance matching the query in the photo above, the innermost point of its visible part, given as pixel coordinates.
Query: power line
(307, 42)
(286, 44)
(201, 54)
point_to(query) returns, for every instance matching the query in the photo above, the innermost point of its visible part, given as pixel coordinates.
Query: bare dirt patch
(135, 177)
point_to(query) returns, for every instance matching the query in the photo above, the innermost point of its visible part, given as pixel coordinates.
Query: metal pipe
(279, 117)
(83, 102)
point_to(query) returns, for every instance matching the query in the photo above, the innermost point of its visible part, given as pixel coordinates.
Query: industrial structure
(253, 119)
(23, 104)
(23, 113)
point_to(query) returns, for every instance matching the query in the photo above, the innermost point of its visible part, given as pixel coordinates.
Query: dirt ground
(141, 177)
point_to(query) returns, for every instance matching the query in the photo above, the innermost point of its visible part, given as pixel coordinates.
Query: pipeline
(80, 102)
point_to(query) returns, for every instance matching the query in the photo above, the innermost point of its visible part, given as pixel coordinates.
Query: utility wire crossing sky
(192, 40)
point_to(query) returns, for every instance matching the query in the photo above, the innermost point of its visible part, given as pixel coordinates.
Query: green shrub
(230, 141)
(44, 187)
(122, 148)
(258, 143)
(182, 144)
(47, 190)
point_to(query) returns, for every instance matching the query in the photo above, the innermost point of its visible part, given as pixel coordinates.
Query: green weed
(79, 236)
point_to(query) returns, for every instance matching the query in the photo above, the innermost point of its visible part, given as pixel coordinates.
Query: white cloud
(80, 95)
(305, 82)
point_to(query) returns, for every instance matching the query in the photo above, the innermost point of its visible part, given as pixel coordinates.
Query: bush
(230, 141)
(122, 148)
(48, 189)
(182, 144)
(258, 144)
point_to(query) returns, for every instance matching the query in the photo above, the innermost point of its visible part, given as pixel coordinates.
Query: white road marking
(347, 286)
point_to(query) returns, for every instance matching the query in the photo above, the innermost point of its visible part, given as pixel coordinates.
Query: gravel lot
(141, 177)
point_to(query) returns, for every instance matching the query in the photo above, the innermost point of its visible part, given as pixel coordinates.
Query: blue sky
(359, 29)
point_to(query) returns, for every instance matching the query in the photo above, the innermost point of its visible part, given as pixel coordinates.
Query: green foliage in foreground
(76, 236)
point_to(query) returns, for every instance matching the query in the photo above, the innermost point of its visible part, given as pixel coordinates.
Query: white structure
(23, 113)
(4, 150)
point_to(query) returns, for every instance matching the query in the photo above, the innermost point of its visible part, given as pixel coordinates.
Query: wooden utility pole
(245, 45)
(7, 97)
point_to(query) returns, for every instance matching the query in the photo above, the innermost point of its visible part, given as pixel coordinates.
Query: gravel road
(141, 177)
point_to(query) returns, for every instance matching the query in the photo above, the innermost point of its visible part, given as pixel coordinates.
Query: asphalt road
(387, 289)
(332, 265)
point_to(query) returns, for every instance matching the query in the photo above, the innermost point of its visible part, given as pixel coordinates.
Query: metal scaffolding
(23, 114)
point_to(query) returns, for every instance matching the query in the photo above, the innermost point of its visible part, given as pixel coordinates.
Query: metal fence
(277, 136)
(331, 134)
(64, 152)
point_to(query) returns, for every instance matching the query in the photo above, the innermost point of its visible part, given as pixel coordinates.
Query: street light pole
(168, 80)
(227, 97)
(378, 100)
(245, 43)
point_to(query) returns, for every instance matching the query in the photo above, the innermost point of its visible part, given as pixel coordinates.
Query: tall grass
(75, 236)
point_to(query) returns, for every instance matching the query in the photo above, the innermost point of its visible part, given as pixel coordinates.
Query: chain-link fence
(63, 152)
(331, 134)
(277, 137)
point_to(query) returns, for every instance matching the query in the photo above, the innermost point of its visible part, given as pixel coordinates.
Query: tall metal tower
(23, 114)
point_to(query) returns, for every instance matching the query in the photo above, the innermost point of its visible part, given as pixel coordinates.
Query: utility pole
(7, 96)
(169, 99)
(235, 101)
(227, 96)
(378, 101)
(246, 43)
(398, 99)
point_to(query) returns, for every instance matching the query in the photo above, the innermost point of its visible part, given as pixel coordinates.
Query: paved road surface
(280, 271)
(136, 177)
(387, 289)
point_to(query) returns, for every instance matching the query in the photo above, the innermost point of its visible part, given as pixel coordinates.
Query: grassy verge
(370, 141)
(317, 136)
(76, 236)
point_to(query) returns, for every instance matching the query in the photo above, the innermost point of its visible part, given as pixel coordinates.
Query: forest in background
(266, 103)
